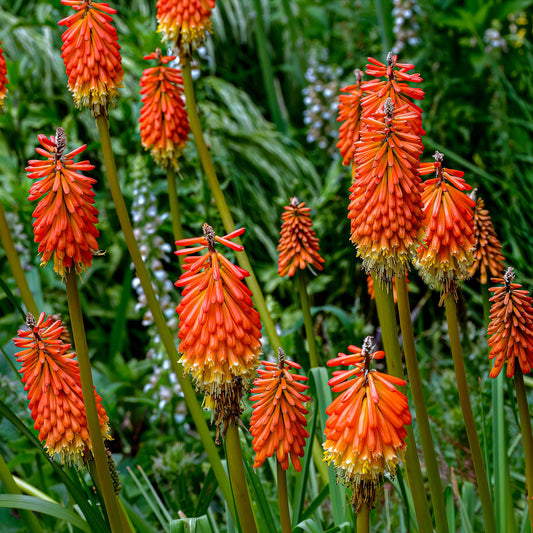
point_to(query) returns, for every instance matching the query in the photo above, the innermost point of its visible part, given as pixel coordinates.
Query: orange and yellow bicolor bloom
(278, 419)
(447, 253)
(365, 430)
(298, 246)
(219, 328)
(52, 380)
(385, 210)
(65, 216)
(511, 326)
(3, 80)
(92, 55)
(184, 23)
(487, 254)
(164, 123)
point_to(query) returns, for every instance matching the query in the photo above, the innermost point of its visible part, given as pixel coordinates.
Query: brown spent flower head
(164, 122)
(298, 246)
(185, 23)
(385, 210)
(487, 253)
(365, 430)
(65, 217)
(3, 80)
(52, 379)
(92, 55)
(511, 326)
(219, 328)
(447, 253)
(278, 419)
(350, 115)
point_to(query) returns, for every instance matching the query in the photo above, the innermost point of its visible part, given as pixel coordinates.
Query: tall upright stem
(87, 388)
(527, 437)
(308, 321)
(422, 419)
(175, 214)
(159, 319)
(389, 331)
(283, 499)
(363, 519)
(464, 398)
(16, 267)
(222, 206)
(238, 480)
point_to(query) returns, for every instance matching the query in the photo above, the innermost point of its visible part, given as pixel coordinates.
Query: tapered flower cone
(185, 23)
(385, 210)
(447, 253)
(365, 430)
(511, 326)
(278, 419)
(219, 328)
(298, 246)
(92, 55)
(3, 80)
(487, 253)
(350, 116)
(65, 216)
(164, 123)
(52, 379)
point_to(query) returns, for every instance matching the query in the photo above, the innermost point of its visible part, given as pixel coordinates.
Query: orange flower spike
(447, 253)
(365, 430)
(386, 209)
(350, 115)
(92, 55)
(184, 22)
(65, 216)
(3, 79)
(487, 254)
(164, 123)
(52, 379)
(511, 326)
(278, 419)
(298, 246)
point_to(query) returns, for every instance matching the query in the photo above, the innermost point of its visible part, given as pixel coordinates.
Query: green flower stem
(238, 480)
(422, 419)
(389, 331)
(283, 500)
(464, 398)
(10, 486)
(16, 267)
(297, 51)
(527, 437)
(318, 458)
(222, 206)
(363, 519)
(87, 387)
(160, 322)
(308, 321)
(175, 214)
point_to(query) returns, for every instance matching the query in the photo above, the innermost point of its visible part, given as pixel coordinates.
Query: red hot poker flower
(278, 419)
(3, 80)
(511, 326)
(184, 22)
(52, 379)
(298, 246)
(65, 217)
(91, 55)
(164, 122)
(447, 253)
(365, 431)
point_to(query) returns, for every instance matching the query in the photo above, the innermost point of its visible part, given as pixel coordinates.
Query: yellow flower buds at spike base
(511, 326)
(3, 80)
(65, 216)
(219, 328)
(278, 419)
(365, 430)
(298, 246)
(52, 379)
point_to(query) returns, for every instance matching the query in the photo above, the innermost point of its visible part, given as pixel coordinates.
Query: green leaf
(191, 525)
